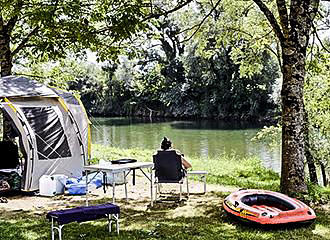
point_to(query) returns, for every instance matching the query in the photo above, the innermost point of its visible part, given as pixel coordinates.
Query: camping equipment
(113, 169)
(267, 208)
(83, 214)
(52, 185)
(123, 161)
(168, 169)
(77, 186)
(51, 126)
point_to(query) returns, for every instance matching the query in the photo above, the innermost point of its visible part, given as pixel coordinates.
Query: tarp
(16, 86)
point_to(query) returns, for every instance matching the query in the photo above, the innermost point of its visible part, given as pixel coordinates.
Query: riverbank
(224, 169)
(200, 217)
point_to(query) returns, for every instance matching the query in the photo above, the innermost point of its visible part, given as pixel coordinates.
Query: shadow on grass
(267, 180)
(210, 222)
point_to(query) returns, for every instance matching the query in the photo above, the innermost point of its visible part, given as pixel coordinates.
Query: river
(202, 138)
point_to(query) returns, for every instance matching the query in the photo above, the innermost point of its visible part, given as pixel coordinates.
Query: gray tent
(52, 127)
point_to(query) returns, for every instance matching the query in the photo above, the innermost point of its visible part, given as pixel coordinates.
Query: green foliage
(316, 194)
(174, 80)
(226, 75)
(317, 95)
(270, 135)
(52, 30)
(317, 92)
(241, 25)
(87, 79)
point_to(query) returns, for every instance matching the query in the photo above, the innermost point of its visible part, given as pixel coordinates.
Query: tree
(292, 22)
(292, 30)
(53, 29)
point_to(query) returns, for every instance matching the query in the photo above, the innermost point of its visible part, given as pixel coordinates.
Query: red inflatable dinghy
(267, 208)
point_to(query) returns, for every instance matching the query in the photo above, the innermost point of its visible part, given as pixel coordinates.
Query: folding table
(115, 168)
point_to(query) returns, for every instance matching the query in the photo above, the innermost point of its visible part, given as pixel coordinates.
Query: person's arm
(185, 163)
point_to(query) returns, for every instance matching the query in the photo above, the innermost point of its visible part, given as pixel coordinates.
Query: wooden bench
(83, 214)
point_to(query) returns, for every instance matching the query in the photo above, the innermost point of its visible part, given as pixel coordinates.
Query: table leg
(104, 182)
(125, 182)
(113, 187)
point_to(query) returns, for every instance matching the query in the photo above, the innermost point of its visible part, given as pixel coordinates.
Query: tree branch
(319, 39)
(283, 13)
(1, 22)
(33, 32)
(201, 23)
(25, 40)
(157, 15)
(271, 19)
(12, 21)
(315, 6)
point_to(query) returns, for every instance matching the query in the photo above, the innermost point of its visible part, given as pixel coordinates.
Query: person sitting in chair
(166, 145)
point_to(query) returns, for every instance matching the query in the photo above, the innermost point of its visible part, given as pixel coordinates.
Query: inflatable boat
(267, 208)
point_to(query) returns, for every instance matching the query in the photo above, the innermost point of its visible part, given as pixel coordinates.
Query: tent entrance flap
(50, 138)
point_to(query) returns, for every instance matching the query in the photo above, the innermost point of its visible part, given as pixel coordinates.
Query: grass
(157, 223)
(202, 217)
(226, 169)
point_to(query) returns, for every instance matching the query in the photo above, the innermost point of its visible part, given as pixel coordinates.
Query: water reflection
(194, 138)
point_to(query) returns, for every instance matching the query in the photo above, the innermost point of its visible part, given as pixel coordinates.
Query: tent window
(51, 139)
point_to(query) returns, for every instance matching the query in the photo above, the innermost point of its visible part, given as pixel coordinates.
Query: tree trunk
(6, 69)
(292, 173)
(296, 28)
(308, 154)
(324, 175)
(5, 54)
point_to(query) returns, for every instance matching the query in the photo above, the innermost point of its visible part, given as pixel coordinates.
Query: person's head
(166, 144)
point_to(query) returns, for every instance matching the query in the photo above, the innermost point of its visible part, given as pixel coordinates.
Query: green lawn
(201, 217)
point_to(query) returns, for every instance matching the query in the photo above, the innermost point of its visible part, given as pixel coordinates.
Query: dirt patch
(138, 197)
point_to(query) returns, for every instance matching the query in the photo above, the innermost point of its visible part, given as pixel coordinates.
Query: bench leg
(52, 228)
(59, 230)
(117, 223)
(112, 217)
(109, 223)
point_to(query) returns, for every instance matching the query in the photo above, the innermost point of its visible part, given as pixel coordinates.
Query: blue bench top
(82, 214)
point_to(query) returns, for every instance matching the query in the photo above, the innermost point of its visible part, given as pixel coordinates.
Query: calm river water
(194, 138)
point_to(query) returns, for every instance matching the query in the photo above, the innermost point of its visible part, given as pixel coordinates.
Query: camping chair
(168, 169)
